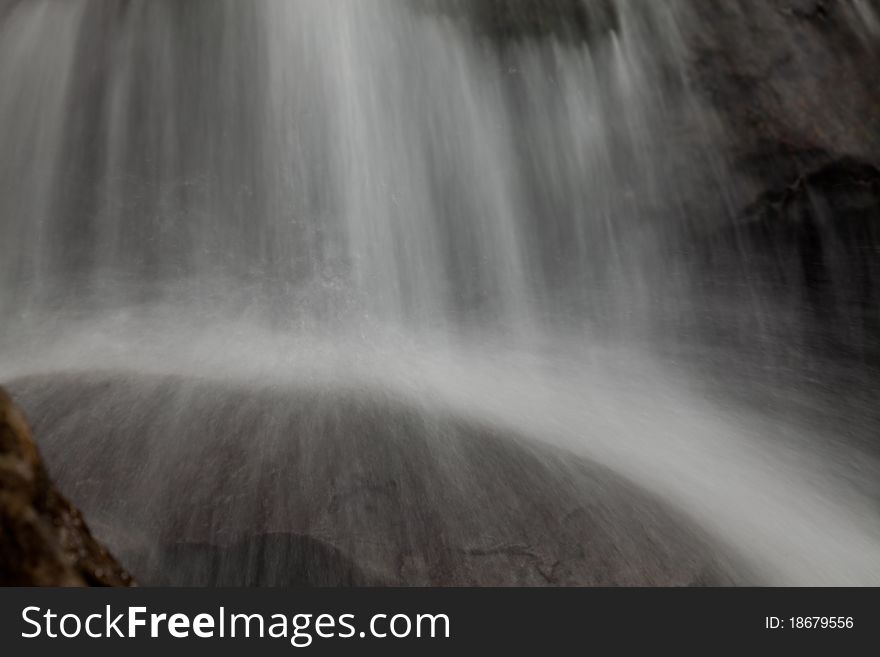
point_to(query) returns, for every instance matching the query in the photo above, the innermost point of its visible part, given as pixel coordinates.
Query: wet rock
(792, 80)
(783, 270)
(268, 560)
(504, 21)
(44, 540)
(232, 483)
(811, 251)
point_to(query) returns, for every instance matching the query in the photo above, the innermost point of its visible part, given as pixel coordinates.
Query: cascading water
(380, 199)
(339, 156)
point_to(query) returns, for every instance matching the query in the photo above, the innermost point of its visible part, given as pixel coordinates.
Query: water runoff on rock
(401, 199)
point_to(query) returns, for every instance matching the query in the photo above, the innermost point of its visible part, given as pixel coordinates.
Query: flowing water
(378, 195)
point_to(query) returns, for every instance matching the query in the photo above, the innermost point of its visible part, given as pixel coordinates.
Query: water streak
(355, 193)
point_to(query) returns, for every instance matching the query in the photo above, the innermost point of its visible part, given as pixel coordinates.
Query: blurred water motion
(532, 231)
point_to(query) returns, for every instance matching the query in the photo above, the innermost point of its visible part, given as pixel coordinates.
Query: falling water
(378, 195)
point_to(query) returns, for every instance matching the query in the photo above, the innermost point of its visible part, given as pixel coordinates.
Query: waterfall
(388, 196)
(362, 160)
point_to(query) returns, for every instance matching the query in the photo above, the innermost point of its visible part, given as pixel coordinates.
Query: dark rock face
(787, 272)
(828, 221)
(792, 80)
(267, 560)
(504, 21)
(232, 484)
(44, 540)
(813, 248)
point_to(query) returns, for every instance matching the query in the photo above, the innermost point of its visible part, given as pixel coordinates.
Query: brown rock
(44, 540)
